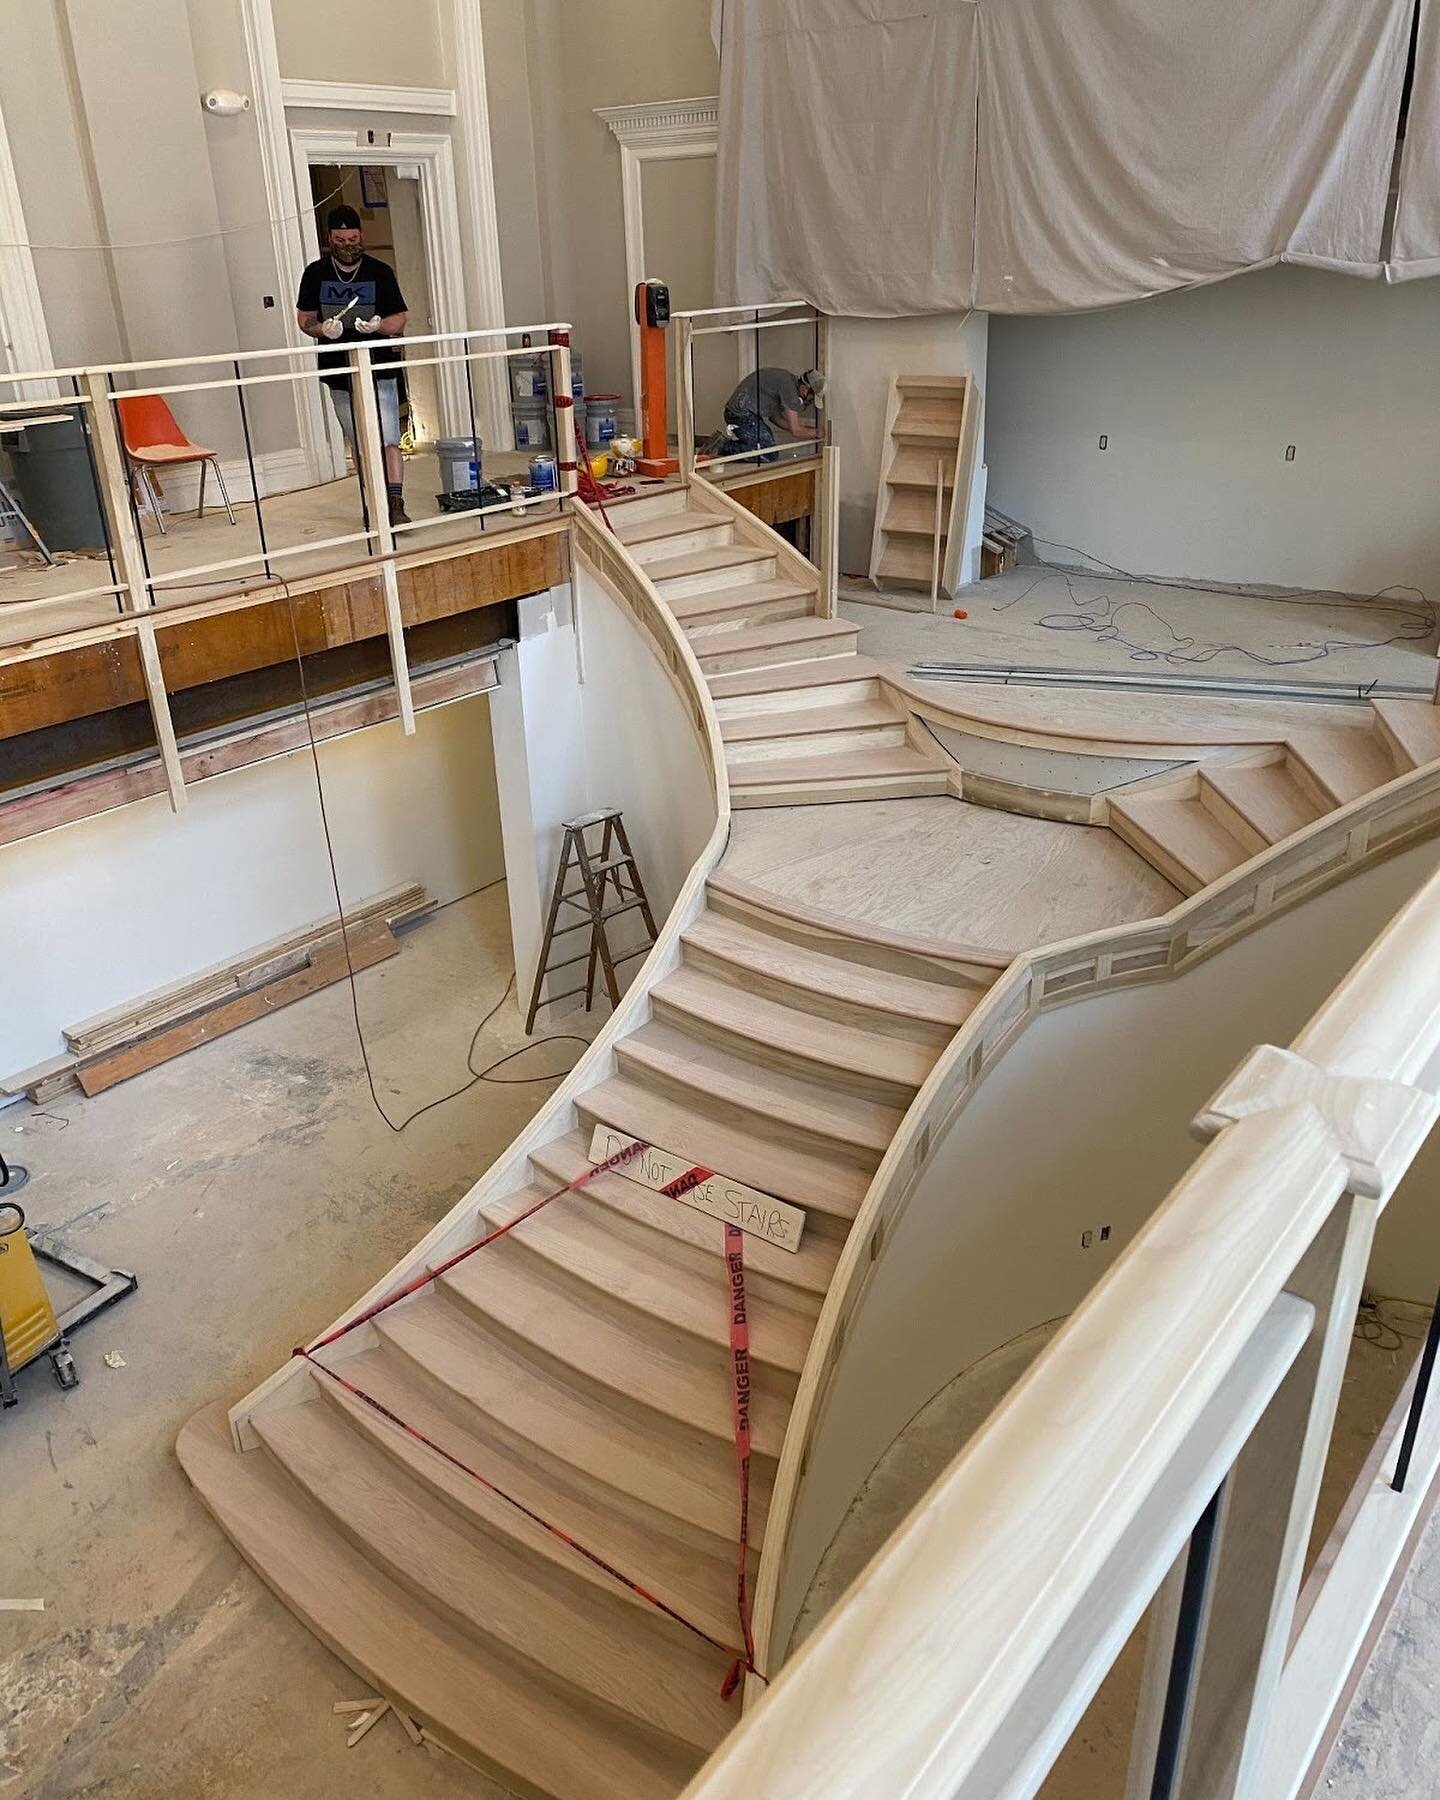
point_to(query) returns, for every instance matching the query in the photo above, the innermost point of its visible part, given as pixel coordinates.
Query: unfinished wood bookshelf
(926, 467)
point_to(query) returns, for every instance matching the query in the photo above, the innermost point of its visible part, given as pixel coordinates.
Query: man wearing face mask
(347, 297)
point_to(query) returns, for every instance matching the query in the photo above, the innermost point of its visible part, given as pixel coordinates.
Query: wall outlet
(1104, 440)
(1289, 453)
(1088, 1239)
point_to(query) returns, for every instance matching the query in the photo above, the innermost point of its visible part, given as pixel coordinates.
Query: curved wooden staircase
(581, 1364)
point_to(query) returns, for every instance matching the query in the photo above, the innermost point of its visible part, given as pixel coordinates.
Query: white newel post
(370, 458)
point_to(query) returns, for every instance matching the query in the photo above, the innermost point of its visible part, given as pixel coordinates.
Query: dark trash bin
(55, 483)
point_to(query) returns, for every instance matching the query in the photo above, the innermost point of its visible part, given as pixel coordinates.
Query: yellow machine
(28, 1325)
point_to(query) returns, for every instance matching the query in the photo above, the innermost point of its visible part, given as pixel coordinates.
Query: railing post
(370, 458)
(827, 523)
(1274, 1487)
(567, 449)
(685, 400)
(112, 472)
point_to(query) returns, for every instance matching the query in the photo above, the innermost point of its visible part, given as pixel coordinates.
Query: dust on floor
(255, 1191)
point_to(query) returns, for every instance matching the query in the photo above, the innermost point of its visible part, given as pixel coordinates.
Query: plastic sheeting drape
(1416, 246)
(847, 153)
(1124, 146)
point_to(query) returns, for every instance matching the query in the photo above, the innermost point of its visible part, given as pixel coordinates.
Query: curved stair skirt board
(587, 1360)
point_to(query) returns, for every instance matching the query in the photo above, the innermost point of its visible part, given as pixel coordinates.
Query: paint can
(460, 464)
(544, 476)
(529, 379)
(532, 424)
(601, 419)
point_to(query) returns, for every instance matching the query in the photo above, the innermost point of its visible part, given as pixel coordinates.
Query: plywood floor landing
(940, 868)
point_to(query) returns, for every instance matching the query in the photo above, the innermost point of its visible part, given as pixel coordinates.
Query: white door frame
(440, 219)
(24, 335)
(660, 131)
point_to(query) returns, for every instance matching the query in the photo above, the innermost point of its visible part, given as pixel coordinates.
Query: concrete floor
(254, 1190)
(1051, 618)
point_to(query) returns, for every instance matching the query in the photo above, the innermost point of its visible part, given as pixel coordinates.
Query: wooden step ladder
(607, 872)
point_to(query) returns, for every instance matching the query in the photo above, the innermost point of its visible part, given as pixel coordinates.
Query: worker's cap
(342, 218)
(815, 381)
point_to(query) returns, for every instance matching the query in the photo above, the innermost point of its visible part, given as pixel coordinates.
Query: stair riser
(743, 614)
(797, 700)
(749, 751)
(1155, 854)
(748, 980)
(1227, 815)
(708, 1523)
(648, 506)
(716, 660)
(681, 543)
(1311, 786)
(844, 1081)
(751, 1119)
(711, 1422)
(696, 1259)
(705, 1335)
(866, 954)
(706, 581)
(438, 1597)
(825, 793)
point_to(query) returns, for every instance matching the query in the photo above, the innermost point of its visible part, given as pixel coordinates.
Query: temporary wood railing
(631, 588)
(968, 1651)
(144, 597)
(722, 321)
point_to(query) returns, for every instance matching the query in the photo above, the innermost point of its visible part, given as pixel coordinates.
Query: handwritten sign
(762, 1215)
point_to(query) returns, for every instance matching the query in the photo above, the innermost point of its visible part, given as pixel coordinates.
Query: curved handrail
(633, 589)
(1375, 825)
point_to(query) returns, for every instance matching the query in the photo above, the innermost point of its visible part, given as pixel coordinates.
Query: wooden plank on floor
(369, 944)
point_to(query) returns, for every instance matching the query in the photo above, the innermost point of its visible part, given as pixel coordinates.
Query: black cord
(476, 1075)
(1101, 615)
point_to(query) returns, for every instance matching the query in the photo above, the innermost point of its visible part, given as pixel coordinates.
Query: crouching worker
(768, 399)
(347, 297)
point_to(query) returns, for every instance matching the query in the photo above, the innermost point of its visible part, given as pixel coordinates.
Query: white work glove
(367, 327)
(331, 329)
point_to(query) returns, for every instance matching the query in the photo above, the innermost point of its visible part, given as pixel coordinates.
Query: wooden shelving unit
(930, 430)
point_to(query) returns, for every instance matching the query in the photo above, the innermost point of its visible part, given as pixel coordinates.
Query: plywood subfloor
(293, 519)
(1051, 618)
(255, 1192)
(942, 868)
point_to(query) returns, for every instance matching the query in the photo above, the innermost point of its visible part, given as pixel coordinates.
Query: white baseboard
(278, 472)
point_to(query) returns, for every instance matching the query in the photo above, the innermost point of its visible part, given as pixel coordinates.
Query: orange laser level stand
(652, 315)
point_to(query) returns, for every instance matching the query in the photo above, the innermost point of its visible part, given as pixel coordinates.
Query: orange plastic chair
(153, 440)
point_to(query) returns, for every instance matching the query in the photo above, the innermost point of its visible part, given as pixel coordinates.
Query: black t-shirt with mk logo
(369, 292)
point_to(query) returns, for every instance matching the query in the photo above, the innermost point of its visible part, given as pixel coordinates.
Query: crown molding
(664, 124)
(370, 97)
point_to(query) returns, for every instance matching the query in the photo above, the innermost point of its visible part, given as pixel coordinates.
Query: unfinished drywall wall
(1198, 396)
(107, 909)
(865, 355)
(565, 746)
(360, 41)
(581, 57)
(993, 1240)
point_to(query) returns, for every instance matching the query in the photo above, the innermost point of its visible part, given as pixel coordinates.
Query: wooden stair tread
(830, 670)
(520, 1734)
(682, 1379)
(688, 1476)
(539, 1615)
(1267, 797)
(669, 524)
(780, 634)
(698, 1583)
(827, 1187)
(691, 609)
(892, 760)
(700, 562)
(845, 715)
(571, 1235)
(1413, 726)
(797, 1279)
(819, 1044)
(1185, 833)
(823, 976)
(1345, 764)
(665, 1053)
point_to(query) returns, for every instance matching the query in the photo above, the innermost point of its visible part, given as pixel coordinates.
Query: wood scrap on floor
(1004, 542)
(165, 1023)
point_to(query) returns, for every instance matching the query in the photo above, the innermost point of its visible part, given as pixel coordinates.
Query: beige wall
(512, 143)
(581, 57)
(360, 41)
